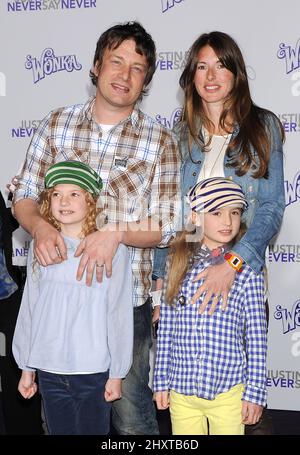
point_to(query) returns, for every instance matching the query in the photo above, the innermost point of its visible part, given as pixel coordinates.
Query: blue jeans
(135, 413)
(75, 404)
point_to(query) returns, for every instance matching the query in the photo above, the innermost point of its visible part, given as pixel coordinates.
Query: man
(139, 164)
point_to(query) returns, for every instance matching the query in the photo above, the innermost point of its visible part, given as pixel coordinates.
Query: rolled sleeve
(159, 262)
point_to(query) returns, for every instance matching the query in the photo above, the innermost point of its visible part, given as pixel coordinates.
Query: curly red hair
(89, 225)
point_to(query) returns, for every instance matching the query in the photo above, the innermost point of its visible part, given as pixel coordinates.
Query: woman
(223, 133)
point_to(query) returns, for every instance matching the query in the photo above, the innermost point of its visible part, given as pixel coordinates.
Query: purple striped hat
(216, 192)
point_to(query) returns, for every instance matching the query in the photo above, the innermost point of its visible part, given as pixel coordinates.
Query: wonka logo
(170, 123)
(167, 4)
(291, 56)
(292, 190)
(290, 319)
(49, 64)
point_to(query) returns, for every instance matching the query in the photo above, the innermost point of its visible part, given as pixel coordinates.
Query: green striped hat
(76, 173)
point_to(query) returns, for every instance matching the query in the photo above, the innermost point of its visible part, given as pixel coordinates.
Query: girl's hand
(251, 413)
(113, 389)
(27, 385)
(162, 399)
(218, 280)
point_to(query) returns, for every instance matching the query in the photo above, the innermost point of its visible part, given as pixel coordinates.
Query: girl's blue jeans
(75, 404)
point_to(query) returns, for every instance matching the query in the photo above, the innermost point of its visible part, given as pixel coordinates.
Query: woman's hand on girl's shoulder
(218, 280)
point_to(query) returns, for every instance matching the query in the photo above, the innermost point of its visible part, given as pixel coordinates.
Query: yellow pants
(193, 415)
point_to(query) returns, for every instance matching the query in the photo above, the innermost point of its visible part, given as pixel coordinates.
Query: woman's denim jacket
(265, 197)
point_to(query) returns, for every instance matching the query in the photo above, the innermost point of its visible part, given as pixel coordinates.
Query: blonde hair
(181, 251)
(89, 224)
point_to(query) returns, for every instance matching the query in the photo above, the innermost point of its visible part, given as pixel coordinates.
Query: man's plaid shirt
(206, 355)
(139, 164)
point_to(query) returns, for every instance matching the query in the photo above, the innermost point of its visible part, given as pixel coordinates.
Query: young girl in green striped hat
(77, 338)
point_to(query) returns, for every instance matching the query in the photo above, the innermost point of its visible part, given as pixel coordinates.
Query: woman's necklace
(211, 161)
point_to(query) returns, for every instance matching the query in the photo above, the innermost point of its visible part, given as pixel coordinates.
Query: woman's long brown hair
(238, 108)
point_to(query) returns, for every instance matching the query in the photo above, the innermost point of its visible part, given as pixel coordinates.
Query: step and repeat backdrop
(47, 48)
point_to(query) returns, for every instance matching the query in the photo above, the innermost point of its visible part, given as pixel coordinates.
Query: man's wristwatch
(235, 261)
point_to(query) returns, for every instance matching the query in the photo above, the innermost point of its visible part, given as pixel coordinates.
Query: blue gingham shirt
(206, 355)
(139, 164)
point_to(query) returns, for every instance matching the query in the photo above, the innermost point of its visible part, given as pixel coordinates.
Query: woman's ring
(99, 265)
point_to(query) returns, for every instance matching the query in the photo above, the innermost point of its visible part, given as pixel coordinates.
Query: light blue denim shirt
(265, 197)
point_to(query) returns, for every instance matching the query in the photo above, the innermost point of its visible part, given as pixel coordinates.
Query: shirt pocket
(126, 194)
(127, 181)
(70, 154)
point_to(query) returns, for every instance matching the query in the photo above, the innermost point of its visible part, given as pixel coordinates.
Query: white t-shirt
(213, 165)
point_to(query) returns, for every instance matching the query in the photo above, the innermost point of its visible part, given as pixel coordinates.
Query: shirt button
(230, 177)
(194, 174)
(182, 300)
